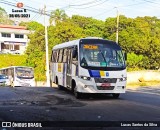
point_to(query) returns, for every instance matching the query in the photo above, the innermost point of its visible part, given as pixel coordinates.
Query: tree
(66, 31)
(4, 17)
(33, 25)
(57, 16)
(139, 36)
(62, 32)
(36, 53)
(136, 62)
(91, 27)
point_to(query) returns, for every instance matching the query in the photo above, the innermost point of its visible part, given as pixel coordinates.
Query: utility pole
(46, 43)
(117, 26)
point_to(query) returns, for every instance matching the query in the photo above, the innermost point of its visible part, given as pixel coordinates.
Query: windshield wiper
(103, 57)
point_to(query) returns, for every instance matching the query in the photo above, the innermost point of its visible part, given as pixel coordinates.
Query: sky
(98, 9)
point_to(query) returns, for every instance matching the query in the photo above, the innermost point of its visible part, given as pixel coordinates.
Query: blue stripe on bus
(94, 73)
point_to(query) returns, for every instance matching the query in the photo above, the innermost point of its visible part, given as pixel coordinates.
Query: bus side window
(58, 51)
(54, 56)
(60, 56)
(65, 56)
(75, 59)
(68, 55)
(51, 57)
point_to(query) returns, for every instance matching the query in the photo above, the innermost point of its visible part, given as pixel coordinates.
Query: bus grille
(105, 88)
(105, 80)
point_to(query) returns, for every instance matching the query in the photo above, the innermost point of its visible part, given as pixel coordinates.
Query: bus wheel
(77, 94)
(59, 86)
(115, 95)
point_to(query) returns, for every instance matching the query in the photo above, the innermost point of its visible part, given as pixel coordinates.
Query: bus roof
(66, 44)
(76, 42)
(14, 67)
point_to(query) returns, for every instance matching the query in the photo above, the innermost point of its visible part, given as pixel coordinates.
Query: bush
(136, 62)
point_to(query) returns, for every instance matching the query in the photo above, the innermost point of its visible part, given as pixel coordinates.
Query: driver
(107, 56)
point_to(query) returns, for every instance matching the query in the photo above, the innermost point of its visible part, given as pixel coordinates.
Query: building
(13, 39)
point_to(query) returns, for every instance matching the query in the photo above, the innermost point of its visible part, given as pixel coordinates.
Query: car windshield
(3, 77)
(101, 55)
(23, 72)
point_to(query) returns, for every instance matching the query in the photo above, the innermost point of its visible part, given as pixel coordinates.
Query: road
(51, 104)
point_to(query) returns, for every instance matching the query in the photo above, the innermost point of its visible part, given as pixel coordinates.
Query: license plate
(105, 84)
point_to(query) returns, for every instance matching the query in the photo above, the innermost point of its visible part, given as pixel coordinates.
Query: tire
(115, 95)
(78, 95)
(59, 86)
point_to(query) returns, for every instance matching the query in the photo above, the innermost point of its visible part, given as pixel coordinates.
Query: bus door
(52, 65)
(69, 68)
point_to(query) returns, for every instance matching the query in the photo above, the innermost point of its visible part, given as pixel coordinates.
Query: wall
(148, 75)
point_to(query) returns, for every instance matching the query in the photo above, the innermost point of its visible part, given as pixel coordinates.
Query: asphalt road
(51, 104)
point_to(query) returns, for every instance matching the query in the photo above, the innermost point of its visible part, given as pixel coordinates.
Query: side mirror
(125, 56)
(74, 53)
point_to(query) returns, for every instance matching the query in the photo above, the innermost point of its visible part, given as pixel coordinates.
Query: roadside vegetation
(139, 37)
(7, 60)
(143, 84)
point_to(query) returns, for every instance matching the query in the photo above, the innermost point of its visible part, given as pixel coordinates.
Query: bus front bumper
(99, 88)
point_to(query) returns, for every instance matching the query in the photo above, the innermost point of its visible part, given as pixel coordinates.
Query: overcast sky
(99, 9)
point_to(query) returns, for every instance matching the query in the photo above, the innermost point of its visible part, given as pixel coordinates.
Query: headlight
(123, 79)
(85, 77)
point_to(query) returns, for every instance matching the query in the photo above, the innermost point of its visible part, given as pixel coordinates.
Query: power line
(91, 5)
(37, 12)
(88, 3)
(34, 10)
(36, 16)
(61, 8)
(48, 5)
(107, 11)
(131, 4)
(25, 5)
(13, 4)
(157, 4)
(16, 1)
(151, 2)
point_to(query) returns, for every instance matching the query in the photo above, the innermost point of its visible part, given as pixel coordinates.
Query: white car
(4, 80)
